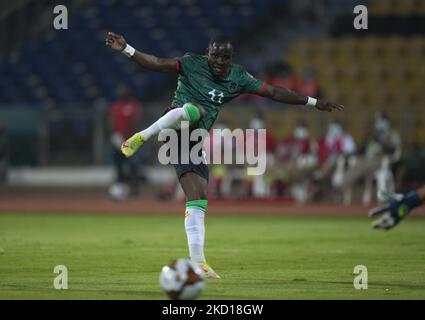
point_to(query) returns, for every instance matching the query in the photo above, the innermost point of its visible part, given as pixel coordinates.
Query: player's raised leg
(195, 188)
(171, 120)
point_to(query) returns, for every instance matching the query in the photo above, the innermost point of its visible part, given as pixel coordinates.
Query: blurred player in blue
(397, 208)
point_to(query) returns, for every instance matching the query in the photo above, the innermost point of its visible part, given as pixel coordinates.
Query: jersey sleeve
(250, 84)
(184, 63)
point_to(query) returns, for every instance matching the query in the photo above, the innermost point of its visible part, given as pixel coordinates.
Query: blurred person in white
(216, 145)
(334, 149)
(383, 152)
(259, 186)
(297, 158)
(4, 154)
(124, 116)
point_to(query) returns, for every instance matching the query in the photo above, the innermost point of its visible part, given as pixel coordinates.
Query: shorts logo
(186, 213)
(233, 87)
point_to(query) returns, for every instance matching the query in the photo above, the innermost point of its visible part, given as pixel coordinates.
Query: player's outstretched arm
(397, 208)
(288, 96)
(118, 43)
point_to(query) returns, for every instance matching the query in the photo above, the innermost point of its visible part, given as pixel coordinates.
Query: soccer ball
(119, 191)
(182, 280)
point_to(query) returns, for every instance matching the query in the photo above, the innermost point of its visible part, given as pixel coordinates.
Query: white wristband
(311, 102)
(128, 51)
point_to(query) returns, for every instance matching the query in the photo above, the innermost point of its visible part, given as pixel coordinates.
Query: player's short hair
(220, 39)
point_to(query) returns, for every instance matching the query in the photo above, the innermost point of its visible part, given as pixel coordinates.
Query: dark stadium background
(57, 85)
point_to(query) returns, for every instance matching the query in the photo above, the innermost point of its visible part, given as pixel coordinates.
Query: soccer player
(205, 83)
(397, 208)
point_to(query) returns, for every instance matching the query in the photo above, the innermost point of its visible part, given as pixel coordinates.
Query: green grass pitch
(259, 257)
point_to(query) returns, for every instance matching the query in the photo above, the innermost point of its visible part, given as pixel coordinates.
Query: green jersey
(197, 84)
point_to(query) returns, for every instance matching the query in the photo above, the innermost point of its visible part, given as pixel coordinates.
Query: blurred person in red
(277, 74)
(308, 84)
(336, 142)
(297, 158)
(124, 117)
(335, 145)
(281, 74)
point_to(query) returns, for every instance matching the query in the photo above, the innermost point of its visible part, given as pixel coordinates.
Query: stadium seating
(397, 7)
(73, 68)
(377, 72)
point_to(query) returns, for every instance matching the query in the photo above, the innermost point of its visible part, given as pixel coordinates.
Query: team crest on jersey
(233, 87)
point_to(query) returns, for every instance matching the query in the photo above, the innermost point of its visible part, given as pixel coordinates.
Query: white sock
(170, 120)
(195, 231)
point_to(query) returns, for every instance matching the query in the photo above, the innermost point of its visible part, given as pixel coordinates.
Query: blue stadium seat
(62, 61)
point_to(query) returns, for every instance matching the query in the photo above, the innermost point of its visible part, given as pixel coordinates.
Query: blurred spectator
(259, 185)
(333, 144)
(382, 152)
(385, 140)
(281, 74)
(215, 146)
(297, 157)
(4, 154)
(336, 145)
(308, 85)
(278, 74)
(124, 117)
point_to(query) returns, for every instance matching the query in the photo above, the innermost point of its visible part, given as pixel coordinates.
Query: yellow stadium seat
(380, 7)
(373, 72)
(420, 7)
(404, 7)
